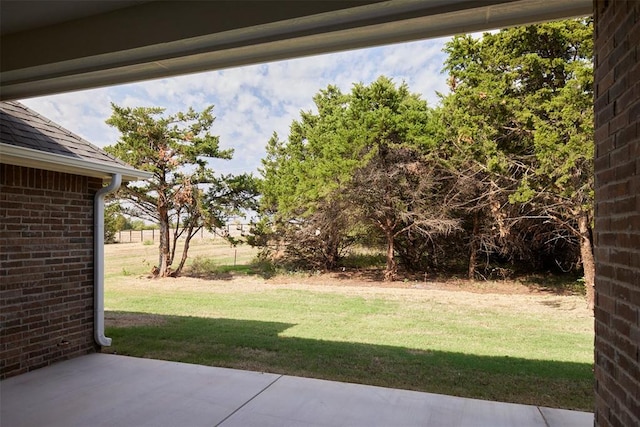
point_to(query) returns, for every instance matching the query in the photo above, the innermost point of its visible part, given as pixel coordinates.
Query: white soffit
(374, 24)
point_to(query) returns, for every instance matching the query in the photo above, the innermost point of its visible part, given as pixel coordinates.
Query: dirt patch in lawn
(120, 319)
(373, 279)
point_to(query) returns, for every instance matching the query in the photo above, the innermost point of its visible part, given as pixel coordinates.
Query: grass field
(496, 341)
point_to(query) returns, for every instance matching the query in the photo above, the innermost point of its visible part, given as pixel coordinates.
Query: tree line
(499, 173)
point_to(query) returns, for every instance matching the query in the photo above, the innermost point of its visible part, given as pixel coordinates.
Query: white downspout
(98, 260)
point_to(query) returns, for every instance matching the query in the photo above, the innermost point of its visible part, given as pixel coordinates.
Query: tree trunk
(174, 244)
(163, 269)
(331, 256)
(588, 261)
(473, 250)
(185, 250)
(392, 268)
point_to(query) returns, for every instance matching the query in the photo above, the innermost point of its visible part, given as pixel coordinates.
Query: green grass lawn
(533, 348)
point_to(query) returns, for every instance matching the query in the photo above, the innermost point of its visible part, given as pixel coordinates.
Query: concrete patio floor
(110, 390)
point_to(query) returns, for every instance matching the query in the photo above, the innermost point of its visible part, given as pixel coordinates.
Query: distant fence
(136, 236)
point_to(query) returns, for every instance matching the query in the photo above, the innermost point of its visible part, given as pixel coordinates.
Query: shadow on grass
(555, 284)
(211, 271)
(264, 346)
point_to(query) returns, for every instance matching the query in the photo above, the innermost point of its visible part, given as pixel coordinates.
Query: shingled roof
(29, 139)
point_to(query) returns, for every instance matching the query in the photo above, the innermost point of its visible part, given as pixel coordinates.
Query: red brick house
(51, 189)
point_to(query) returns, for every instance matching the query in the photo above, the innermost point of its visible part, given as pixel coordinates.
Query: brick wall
(46, 267)
(617, 228)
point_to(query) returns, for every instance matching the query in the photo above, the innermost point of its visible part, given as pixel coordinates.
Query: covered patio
(41, 54)
(113, 390)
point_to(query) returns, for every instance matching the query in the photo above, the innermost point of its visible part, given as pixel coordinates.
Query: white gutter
(98, 260)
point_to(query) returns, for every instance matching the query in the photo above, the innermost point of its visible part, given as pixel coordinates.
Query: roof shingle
(23, 127)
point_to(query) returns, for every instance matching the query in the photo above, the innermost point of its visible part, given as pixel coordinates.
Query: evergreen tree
(521, 111)
(183, 190)
(358, 164)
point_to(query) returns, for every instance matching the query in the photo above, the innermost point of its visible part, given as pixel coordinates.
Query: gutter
(98, 260)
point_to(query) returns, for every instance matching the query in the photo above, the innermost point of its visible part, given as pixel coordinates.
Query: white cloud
(254, 101)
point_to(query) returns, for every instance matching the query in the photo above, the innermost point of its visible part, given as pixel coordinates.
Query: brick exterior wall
(46, 267)
(617, 228)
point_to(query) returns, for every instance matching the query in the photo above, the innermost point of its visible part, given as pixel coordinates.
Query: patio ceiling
(55, 46)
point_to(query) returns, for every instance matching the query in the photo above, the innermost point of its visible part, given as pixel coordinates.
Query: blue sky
(251, 102)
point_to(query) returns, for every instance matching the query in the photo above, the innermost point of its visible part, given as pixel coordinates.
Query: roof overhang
(27, 157)
(153, 39)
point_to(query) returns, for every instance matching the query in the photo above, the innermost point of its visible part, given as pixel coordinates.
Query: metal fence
(136, 236)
